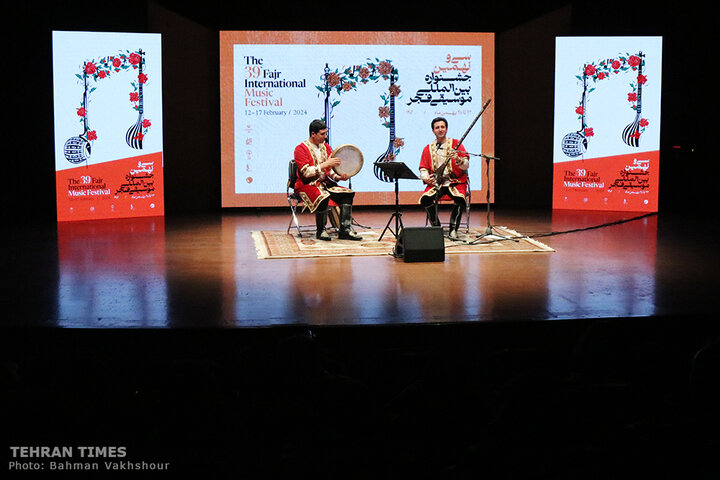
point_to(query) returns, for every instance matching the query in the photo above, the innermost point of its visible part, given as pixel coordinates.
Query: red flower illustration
(364, 72)
(146, 123)
(116, 62)
(632, 97)
(134, 59)
(580, 110)
(616, 64)
(642, 79)
(644, 122)
(589, 132)
(90, 68)
(590, 70)
(81, 112)
(383, 112)
(347, 86)
(102, 73)
(634, 61)
(394, 90)
(139, 136)
(333, 79)
(92, 135)
(385, 68)
(134, 97)
(142, 78)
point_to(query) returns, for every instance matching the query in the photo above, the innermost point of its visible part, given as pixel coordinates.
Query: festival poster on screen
(376, 92)
(108, 125)
(606, 143)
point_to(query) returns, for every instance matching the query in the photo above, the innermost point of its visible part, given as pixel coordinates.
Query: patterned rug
(278, 244)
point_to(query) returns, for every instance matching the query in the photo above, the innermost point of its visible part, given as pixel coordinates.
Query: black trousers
(428, 200)
(345, 198)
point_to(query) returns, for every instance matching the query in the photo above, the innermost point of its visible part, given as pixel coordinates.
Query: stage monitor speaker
(421, 244)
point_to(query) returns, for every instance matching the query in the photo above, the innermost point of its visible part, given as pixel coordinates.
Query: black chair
(297, 205)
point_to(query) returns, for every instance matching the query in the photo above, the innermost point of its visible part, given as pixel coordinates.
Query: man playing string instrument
(317, 182)
(453, 180)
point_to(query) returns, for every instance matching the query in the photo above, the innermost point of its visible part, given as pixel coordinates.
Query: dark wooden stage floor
(168, 337)
(203, 272)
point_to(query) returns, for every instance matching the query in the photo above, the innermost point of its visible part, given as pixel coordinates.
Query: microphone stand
(489, 228)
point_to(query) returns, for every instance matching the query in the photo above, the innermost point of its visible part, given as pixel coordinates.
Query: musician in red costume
(317, 183)
(454, 181)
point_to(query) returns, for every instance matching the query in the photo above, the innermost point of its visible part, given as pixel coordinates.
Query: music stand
(396, 171)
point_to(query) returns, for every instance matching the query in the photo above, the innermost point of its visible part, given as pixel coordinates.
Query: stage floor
(203, 271)
(171, 339)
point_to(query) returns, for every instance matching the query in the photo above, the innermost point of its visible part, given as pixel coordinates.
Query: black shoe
(320, 221)
(323, 236)
(346, 232)
(432, 215)
(455, 219)
(348, 235)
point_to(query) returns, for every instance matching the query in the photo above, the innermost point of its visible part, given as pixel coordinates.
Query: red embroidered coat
(432, 158)
(312, 185)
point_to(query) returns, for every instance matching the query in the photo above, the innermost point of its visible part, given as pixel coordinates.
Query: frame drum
(351, 159)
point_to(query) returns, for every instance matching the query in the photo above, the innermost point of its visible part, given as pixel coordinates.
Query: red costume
(314, 185)
(455, 171)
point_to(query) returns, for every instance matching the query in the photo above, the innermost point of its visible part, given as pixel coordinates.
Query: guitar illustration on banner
(78, 149)
(576, 144)
(346, 80)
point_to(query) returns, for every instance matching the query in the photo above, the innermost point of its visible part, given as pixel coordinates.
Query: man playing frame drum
(317, 182)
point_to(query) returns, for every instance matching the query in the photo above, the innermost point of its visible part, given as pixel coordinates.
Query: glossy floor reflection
(204, 272)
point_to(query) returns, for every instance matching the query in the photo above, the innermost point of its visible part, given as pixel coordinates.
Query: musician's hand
(344, 176)
(331, 162)
(430, 180)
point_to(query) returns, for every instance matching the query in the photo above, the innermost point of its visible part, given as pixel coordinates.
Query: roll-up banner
(606, 141)
(108, 125)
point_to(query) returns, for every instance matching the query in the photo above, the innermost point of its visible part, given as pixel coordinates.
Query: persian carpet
(279, 244)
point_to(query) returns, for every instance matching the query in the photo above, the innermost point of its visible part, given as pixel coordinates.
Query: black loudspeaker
(421, 244)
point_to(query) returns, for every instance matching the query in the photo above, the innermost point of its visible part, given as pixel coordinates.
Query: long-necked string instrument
(77, 149)
(133, 136)
(630, 133)
(574, 144)
(328, 106)
(439, 173)
(388, 156)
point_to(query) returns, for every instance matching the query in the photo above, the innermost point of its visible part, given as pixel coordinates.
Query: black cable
(584, 229)
(618, 222)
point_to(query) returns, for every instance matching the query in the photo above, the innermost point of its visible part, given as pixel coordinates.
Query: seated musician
(317, 182)
(453, 182)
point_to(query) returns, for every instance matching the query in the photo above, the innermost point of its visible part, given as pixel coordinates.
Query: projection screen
(379, 91)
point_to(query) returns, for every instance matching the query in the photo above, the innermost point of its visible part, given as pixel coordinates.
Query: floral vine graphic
(575, 143)
(77, 149)
(348, 79)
